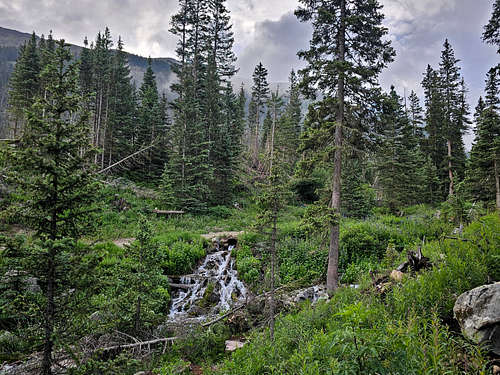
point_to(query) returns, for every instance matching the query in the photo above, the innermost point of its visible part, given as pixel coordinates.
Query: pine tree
(101, 86)
(260, 94)
(484, 166)
(491, 33)
(24, 84)
(399, 157)
(291, 119)
(454, 121)
(272, 200)
(121, 137)
(51, 169)
(150, 127)
(415, 113)
(435, 143)
(346, 54)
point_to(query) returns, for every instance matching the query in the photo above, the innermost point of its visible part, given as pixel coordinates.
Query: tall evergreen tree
(454, 123)
(400, 161)
(435, 143)
(150, 126)
(260, 94)
(121, 138)
(24, 84)
(415, 114)
(484, 166)
(491, 33)
(52, 170)
(347, 52)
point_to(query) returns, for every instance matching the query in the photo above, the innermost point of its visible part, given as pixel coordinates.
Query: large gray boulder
(478, 313)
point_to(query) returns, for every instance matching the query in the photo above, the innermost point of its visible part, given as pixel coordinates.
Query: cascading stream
(217, 270)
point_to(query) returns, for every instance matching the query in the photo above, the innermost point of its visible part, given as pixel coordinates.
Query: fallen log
(167, 212)
(167, 340)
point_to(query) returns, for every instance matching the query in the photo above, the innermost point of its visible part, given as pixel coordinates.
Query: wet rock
(312, 294)
(478, 313)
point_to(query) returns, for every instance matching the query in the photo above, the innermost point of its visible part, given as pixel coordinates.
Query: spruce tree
(150, 127)
(484, 166)
(435, 143)
(491, 33)
(399, 157)
(347, 52)
(101, 87)
(260, 94)
(24, 84)
(51, 167)
(454, 121)
(121, 138)
(415, 113)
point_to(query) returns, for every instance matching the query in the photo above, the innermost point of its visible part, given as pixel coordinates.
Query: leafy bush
(354, 271)
(181, 257)
(221, 212)
(303, 260)
(121, 365)
(208, 344)
(249, 267)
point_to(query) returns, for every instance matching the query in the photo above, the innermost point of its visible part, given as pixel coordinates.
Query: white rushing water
(218, 269)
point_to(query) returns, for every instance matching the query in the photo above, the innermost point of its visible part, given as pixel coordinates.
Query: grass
(359, 332)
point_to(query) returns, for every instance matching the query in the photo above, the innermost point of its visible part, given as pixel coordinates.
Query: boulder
(478, 313)
(232, 345)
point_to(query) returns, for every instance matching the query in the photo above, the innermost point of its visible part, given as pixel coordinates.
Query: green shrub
(303, 260)
(220, 212)
(354, 271)
(207, 344)
(248, 266)
(181, 257)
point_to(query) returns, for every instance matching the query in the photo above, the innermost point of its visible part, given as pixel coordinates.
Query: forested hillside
(11, 41)
(328, 227)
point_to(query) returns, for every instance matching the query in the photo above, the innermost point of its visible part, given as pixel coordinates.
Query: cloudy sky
(267, 31)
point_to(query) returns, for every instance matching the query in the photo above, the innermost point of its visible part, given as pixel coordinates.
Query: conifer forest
(176, 215)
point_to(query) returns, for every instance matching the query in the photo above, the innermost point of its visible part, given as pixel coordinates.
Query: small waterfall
(218, 270)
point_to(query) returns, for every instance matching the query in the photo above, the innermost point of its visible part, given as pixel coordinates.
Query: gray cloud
(267, 31)
(139, 23)
(275, 44)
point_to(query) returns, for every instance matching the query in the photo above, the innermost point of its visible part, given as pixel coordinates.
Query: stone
(232, 345)
(496, 370)
(397, 275)
(478, 313)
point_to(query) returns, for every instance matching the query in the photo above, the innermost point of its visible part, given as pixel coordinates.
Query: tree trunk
(256, 141)
(332, 275)
(273, 274)
(497, 182)
(273, 237)
(51, 278)
(450, 170)
(138, 315)
(49, 316)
